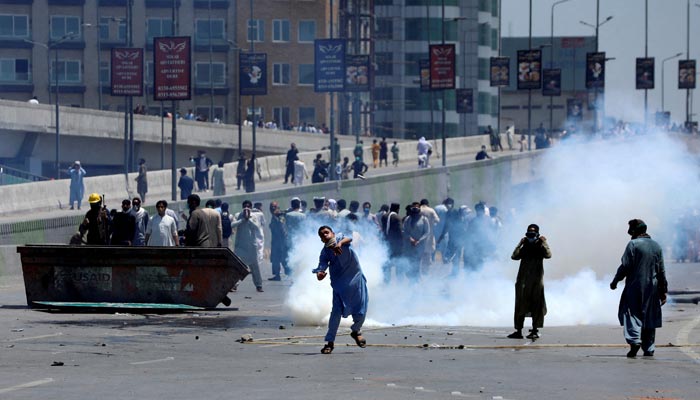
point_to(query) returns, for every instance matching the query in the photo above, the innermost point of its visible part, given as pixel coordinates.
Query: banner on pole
(172, 60)
(252, 74)
(529, 69)
(442, 66)
(500, 71)
(465, 101)
(645, 73)
(595, 70)
(551, 82)
(424, 66)
(357, 73)
(329, 65)
(686, 74)
(126, 74)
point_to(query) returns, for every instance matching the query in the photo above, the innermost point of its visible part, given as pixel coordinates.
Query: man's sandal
(328, 348)
(359, 340)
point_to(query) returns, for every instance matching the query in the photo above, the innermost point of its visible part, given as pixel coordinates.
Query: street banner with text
(551, 82)
(465, 101)
(329, 65)
(529, 69)
(686, 74)
(126, 72)
(442, 66)
(172, 61)
(644, 73)
(424, 67)
(595, 70)
(500, 71)
(357, 73)
(252, 74)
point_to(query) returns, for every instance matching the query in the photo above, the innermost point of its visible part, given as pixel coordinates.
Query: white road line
(152, 361)
(682, 339)
(27, 385)
(36, 337)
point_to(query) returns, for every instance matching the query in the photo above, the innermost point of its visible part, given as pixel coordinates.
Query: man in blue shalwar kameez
(645, 290)
(348, 283)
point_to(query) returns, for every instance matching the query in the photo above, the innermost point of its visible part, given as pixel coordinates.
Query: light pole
(596, 27)
(238, 49)
(551, 62)
(663, 62)
(48, 46)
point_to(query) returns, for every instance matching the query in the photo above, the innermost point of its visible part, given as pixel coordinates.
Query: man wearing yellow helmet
(96, 222)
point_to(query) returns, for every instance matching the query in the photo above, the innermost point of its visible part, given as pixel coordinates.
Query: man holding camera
(529, 286)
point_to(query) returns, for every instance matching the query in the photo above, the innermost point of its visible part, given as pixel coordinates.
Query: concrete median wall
(53, 195)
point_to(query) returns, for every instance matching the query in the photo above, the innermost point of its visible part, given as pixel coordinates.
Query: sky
(622, 38)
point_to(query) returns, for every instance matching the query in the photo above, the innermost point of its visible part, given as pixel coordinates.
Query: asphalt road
(198, 355)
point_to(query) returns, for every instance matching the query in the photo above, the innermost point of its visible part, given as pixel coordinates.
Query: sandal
(359, 340)
(328, 348)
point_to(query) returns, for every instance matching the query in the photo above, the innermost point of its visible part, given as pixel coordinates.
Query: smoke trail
(586, 195)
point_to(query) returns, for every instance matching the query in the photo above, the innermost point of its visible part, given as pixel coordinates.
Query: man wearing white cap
(77, 187)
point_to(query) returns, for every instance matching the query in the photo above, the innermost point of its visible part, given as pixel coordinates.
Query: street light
(662, 76)
(551, 62)
(234, 46)
(48, 46)
(596, 27)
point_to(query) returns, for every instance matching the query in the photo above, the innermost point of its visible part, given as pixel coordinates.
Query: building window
(14, 70)
(259, 114)
(307, 115)
(494, 8)
(412, 63)
(68, 71)
(494, 39)
(104, 73)
(149, 72)
(64, 25)
(484, 6)
(484, 64)
(385, 64)
(205, 75)
(280, 30)
(484, 35)
(280, 74)
(256, 30)
(105, 32)
(384, 29)
(281, 117)
(203, 113)
(14, 26)
(306, 74)
(307, 31)
(484, 103)
(156, 27)
(202, 31)
(494, 106)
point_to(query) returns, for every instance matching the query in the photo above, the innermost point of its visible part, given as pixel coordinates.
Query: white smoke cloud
(586, 195)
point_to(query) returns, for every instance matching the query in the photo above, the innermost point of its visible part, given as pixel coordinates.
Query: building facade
(405, 29)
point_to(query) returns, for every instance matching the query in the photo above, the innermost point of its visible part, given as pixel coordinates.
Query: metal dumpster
(194, 276)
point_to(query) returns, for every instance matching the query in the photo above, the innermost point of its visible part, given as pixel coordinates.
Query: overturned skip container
(195, 276)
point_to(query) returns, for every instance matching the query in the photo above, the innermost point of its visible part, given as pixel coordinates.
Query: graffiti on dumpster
(99, 278)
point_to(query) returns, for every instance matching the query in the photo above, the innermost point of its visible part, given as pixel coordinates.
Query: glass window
(494, 39)
(149, 72)
(64, 25)
(204, 75)
(104, 28)
(484, 65)
(385, 63)
(412, 65)
(280, 30)
(14, 70)
(494, 8)
(417, 29)
(494, 106)
(384, 98)
(156, 27)
(484, 35)
(280, 74)
(484, 5)
(307, 31)
(14, 26)
(202, 30)
(259, 114)
(68, 71)
(307, 114)
(105, 25)
(384, 29)
(306, 74)
(203, 113)
(256, 30)
(281, 117)
(104, 73)
(484, 103)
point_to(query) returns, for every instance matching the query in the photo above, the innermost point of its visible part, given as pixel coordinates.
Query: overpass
(96, 138)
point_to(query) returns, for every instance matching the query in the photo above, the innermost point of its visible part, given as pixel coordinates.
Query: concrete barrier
(52, 195)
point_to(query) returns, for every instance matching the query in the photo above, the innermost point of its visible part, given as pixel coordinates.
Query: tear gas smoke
(585, 195)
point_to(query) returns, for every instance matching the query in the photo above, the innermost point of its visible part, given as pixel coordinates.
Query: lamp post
(551, 62)
(238, 49)
(663, 62)
(48, 46)
(596, 27)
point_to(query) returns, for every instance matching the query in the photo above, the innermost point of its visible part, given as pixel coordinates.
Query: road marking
(682, 339)
(27, 385)
(36, 337)
(153, 361)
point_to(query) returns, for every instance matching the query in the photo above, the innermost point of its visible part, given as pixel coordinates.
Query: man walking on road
(645, 289)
